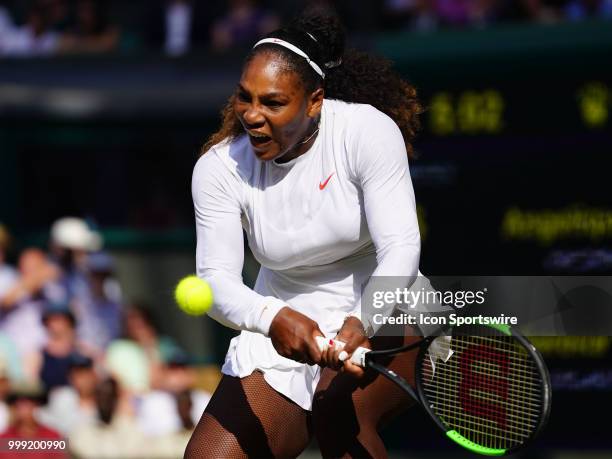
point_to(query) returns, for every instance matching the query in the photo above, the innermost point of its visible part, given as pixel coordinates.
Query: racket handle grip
(358, 356)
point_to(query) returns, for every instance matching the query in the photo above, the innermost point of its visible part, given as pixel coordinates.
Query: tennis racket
(486, 387)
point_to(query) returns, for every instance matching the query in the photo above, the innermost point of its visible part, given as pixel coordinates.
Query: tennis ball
(194, 295)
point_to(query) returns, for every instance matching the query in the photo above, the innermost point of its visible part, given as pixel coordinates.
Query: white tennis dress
(320, 225)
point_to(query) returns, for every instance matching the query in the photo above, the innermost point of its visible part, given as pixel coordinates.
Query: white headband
(295, 49)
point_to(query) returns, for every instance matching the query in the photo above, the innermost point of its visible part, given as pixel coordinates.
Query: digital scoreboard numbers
(469, 112)
(594, 102)
(489, 111)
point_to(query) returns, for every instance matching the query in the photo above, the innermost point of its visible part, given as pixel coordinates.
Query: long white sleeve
(381, 168)
(220, 249)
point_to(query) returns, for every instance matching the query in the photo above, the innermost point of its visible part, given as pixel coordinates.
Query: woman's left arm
(380, 167)
(382, 170)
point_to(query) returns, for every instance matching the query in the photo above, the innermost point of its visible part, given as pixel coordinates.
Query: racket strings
(472, 400)
(489, 390)
(451, 384)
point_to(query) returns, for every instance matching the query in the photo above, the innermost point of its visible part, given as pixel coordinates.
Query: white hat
(73, 233)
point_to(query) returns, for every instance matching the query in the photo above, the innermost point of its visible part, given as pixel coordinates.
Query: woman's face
(274, 109)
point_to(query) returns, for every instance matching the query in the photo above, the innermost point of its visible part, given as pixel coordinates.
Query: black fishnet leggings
(247, 418)
(348, 413)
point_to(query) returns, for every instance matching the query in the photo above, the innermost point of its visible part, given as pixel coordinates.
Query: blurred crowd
(77, 362)
(55, 27)
(428, 15)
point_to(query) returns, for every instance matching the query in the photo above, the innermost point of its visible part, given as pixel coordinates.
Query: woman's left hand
(353, 335)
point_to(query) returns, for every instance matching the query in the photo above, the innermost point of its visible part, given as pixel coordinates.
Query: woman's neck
(302, 146)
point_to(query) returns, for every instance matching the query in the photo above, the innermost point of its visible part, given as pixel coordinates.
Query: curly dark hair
(360, 78)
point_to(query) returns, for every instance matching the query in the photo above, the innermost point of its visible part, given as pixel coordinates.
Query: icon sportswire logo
(324, 184)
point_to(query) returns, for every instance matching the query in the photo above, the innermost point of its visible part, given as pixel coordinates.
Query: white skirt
(253, 351)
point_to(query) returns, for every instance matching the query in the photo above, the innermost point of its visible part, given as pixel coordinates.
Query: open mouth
(259, 140)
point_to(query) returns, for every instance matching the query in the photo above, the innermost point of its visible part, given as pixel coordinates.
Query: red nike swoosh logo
(324, 184)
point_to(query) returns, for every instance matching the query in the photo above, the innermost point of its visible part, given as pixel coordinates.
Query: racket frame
(545, 387)
(367, 359)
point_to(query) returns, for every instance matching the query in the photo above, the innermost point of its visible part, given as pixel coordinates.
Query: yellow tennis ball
(194, 295)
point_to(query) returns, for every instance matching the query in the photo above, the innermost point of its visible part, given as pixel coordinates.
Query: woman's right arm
(220, 249)
(220, 257)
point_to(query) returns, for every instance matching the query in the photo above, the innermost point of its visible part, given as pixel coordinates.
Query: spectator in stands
(72, 241)
(102, 323)
(156, 414)
(34, 38)
(454, 12)
(36, 276)
(178, 23)
(178, 378)
(23, 404)
(577, 10)
(11, 362)
(177, 26)
(544, 11)
(140, 327)
(7, 28)
(127, 362)
(61, 349)
(115, 434)
(5, 385)
(417, 15)
(75, 405)
(466, 12)
(184, 405)
(244, 22)
(6, 20)
(92, 32)
(425, 17)
(398, 13)
(173, 444)
(58, 14)
(8, 275)
(22, 307)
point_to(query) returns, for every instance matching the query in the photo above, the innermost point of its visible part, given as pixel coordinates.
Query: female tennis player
(311, 161)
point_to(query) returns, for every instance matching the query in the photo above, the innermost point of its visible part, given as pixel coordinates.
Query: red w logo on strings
(484, 381)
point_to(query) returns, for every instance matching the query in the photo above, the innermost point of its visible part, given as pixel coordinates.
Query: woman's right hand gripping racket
(489, 391)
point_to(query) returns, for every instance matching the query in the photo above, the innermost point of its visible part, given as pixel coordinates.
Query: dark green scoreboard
(515, 153)
(514, 177)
